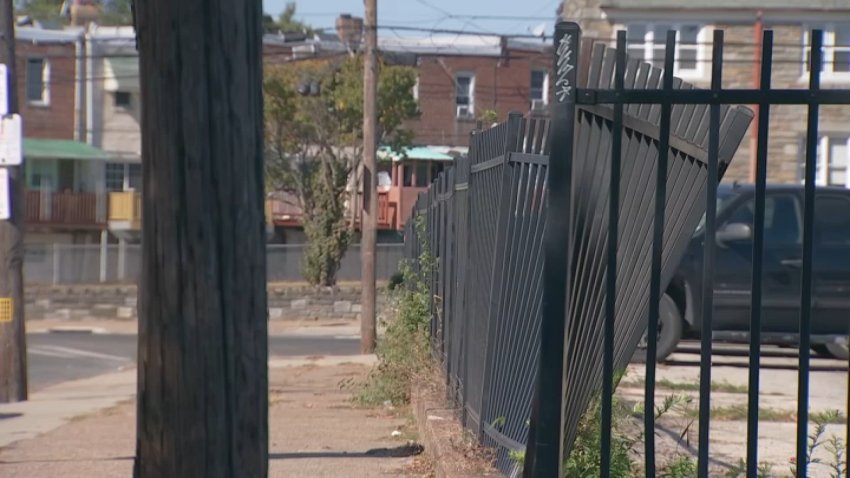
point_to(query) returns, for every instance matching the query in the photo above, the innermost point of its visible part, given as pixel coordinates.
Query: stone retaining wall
(286, 302)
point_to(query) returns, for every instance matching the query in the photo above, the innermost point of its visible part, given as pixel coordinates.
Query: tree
(286, 22)
(202, 402)
(314, 145)
(43, 10)
(116, 12)
(113, 12)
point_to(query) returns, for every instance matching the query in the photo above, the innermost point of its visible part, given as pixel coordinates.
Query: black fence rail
(554, 242)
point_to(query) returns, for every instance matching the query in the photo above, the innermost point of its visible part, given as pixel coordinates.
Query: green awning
(419, 153)
(61, 149)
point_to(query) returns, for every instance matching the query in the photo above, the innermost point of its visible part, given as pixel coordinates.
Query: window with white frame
(115, 176)
(465, 95)
(833, 159)
(539, 88)
(415, 90)
(836, 51)
(646, 41)
(38, 81)
(123, 177)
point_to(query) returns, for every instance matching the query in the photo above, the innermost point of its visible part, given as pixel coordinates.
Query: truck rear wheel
(669, 331)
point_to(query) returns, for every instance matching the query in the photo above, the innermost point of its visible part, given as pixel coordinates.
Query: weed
(834, 446)
(682, 466)
(584, 459)
(763, 470)
(517, 456)
(403, 350)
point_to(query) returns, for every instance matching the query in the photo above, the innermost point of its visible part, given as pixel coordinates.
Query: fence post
(103, 251)
(55, 263)
(544, 450)
(122, 258)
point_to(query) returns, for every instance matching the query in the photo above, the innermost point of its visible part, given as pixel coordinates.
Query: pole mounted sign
(10, 126)
(11, 148)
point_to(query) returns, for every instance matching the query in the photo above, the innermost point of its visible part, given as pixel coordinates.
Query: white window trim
(545, 94)
(827, 74)
(45, 82)
(823, 169)
(700, 72)
(471, 76)
(415, 91)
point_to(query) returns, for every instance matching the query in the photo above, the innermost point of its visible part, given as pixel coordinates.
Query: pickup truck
(681, 309)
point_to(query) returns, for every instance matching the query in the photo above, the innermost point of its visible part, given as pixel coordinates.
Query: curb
(71, 329)
(429, 410)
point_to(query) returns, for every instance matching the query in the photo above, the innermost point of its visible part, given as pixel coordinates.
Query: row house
(83, 109)
(64, 175)
(646, 23)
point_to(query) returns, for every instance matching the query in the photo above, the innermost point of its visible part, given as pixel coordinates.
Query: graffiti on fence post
(544, 445)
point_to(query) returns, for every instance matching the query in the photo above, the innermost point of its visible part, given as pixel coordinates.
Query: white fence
(86, 264)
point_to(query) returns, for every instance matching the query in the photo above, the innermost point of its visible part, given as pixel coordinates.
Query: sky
(467, 15)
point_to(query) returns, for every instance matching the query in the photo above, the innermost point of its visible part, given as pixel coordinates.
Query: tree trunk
(203, 358)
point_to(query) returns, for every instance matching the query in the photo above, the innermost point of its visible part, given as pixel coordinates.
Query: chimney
(350, 31)
(84, 12)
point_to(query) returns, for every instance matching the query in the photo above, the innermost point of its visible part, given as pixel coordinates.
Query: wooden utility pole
(369, 218)
(203, 356)
(13, 349)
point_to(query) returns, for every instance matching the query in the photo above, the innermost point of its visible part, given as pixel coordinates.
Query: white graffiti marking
(563, 88)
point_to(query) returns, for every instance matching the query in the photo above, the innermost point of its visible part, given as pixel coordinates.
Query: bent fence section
(556, 238)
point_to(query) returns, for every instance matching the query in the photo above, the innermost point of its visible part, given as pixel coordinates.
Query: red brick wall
(501, 84)
(56, 119)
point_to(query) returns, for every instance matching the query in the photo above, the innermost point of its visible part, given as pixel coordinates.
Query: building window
(539, 91)
(38, 81)
(465, 95)
(422, 179)
(123, 99)
(115, 176)
(646, 41)
(833, 158)
(123, 177)
(836, 51)
(407, 180)
(134, 177)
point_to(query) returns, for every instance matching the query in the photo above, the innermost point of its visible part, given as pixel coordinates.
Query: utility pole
(369, 218)
(202, 402)
(13, 350)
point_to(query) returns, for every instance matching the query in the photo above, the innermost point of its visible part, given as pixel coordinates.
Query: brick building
(460, 78)
(646, 22)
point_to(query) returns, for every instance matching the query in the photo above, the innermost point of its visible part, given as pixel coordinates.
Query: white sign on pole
(5, 210)
(11, 148)
(4, 90)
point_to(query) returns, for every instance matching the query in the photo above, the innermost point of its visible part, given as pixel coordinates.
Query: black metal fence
(556, 239)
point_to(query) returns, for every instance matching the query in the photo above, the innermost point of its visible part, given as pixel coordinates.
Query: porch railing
(85, 209)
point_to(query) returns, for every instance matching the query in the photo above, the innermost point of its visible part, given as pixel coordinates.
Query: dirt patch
(453, 451)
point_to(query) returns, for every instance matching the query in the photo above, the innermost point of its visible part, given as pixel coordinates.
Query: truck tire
(832, 350)
(669, 331)
(838, 351)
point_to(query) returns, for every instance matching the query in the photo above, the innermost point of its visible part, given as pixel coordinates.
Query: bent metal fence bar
(556, 239)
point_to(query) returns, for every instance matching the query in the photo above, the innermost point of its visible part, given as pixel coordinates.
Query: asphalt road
(59, 357)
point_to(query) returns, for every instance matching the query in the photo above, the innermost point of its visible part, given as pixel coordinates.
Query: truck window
(781, 218)
(832, 220)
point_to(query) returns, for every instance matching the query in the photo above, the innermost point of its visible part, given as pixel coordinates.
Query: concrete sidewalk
(87, 428)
